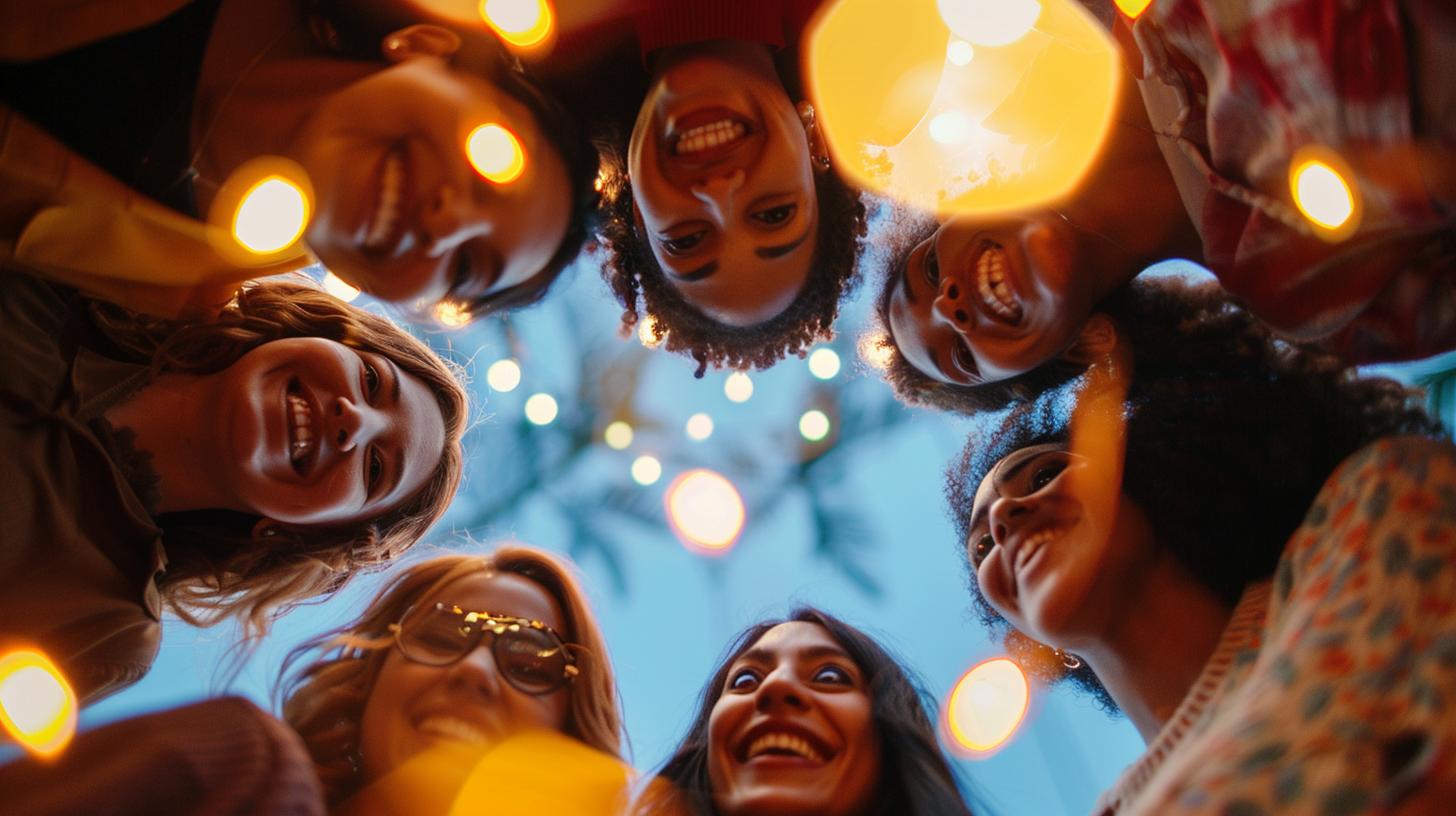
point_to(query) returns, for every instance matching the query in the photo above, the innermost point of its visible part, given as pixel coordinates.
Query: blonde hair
(324, 700)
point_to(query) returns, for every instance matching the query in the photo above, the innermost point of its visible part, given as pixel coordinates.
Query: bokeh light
(503, 375)
(541, 409)
(1318, 181)
(950, 127)
(495, 153)
(824, 363)
(646, 470)
(960, 52)
(618, 435)
(522, 23)
(271, 216)
(987, 705)
(1133, 8)
(37, 705)
(451, 315)
(647, 332)
(874, 348)
(989, 22)
(814, 425)
(705, 510)
(339, 288)
(700, 426)
(738, 387)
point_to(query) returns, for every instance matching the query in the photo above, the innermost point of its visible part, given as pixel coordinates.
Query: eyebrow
(698, 274)
(783, 249)
(980, 514)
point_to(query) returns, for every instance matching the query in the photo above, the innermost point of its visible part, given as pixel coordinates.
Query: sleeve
(220, 756)
(665, 23)
(1348, 707)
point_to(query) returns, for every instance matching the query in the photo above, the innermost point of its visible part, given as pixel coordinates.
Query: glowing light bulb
(738, 387)
(950, 127)
(647, 332)
(503, 375)
(824, 363)
(646, 470)
(37, 705)
(700, 426)
(522, 23)
(451, 314)
(875, 349)
(271, 216)
(495, 154)
(814, 425)
(1132, 8)
(1321, 191)
(705, 510)
(987, 705)
(541, 409)
(989, 22)
(960, 52)
(618, 435)
(339, 288)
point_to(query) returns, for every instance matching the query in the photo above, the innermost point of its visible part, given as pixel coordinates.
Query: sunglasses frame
(475, 626)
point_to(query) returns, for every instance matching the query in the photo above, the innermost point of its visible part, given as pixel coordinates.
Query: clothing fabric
(80, 553)
(1329, 691)
(221, 756)
(775, 23)
(1254, 84)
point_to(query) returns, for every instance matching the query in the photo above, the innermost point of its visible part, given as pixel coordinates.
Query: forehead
(990, 488)
(503, 593)
(790, 638)
(423, 436)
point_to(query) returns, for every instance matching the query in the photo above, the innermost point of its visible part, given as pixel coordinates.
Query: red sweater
(776, 23)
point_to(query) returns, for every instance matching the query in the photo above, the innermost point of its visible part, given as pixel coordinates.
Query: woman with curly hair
(725, 221)
(460, 648)
(1259, 580)
(110, 189)
(229, 469)
(807, 715)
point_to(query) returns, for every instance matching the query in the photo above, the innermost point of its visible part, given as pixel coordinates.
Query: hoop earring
(1071, 661)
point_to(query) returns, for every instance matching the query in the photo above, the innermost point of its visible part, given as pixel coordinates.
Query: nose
(477, 672)
(1007, 515)
(717, 192)
(780, 689)
(451, 217)
(950, 304)
(354, 424)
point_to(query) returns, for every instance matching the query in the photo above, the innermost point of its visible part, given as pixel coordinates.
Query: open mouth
(703, 138)
(384, 224)
(992, 266)
(454, 729)
(779, 742)
(708, 134)
(1030, 546)
(302, 440)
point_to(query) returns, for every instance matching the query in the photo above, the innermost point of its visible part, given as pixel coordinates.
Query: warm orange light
(1319, 183)
(647, 332)
(340, 288)
(37, 705)
(521, 23)
(874, 348)
(451, 314)
(705, 511)
(1132, 8)
(969, 106)
(987, 705)
(495, 154)
(261, 211)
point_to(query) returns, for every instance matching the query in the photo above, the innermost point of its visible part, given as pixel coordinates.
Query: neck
(1155, 654)
(168, 419)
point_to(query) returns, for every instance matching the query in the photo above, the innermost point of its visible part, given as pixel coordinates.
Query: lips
(991, 266)
(782, 741)
(303, 429)
(385, 228)
(708, 134)
(1026, 548)
(453, 729)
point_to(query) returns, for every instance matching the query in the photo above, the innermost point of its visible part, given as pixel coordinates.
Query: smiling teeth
(300, 415)
(991, 284)
(386, 217)
(784, 742)
(454, 729)
(1041, 537)
(704, 137)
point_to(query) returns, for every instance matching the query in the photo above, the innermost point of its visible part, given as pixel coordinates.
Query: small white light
(960, 52)
(814, 425)
(339, 288)
(950, 127)
(647, 332)
(618, 435)
(541, 409)
(824, 363)
(738, 387)
(451, 314)
(503, 375)
(700, 426)
(646, 470)
(875, 350)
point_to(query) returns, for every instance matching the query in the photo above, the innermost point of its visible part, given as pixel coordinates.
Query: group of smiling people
(1233, 537)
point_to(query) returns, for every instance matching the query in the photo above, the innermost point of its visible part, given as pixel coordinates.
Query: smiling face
(793, 732)
(1054, 545)
(414, 706)
(723, 184)
(321, 434)
(401, 212)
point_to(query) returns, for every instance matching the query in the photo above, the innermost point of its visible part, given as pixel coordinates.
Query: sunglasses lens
(533, 661)
(435, 637)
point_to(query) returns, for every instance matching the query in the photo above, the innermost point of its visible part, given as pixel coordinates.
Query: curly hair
(637, 281)
(324, 700)
(915, 778)
(352, 35)
(216, 568)
(1221, 415)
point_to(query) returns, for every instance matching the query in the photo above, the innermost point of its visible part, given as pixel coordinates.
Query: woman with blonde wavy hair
(463, 648)
(222, 470)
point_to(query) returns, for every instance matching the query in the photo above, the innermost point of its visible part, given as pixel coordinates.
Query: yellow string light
(521, 23)
(37, 706)
(495, 153)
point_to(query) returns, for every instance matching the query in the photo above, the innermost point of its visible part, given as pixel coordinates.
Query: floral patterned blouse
(1333, 690)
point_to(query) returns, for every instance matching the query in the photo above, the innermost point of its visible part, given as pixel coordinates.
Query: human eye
(371, 380)
(374, 469)
(1045, 473)
(980, 548)
(930, 265)
(743, 681)
(683, 244)
(964, 358)
(833, 675)
(776, 215)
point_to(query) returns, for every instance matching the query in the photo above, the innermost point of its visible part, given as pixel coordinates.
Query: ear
(818, 148)
(1097, 339)
(420, 40)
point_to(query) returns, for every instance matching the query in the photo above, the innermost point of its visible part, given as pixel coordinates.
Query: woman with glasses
(124, 123)
(807, 715)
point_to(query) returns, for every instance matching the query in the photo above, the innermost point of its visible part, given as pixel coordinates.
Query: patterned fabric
(1257, 80)
(1342, 701)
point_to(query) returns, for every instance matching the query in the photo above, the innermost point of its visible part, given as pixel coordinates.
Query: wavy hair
(324, 698)
(915, 778)
(1221, 416)
(216, 567)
